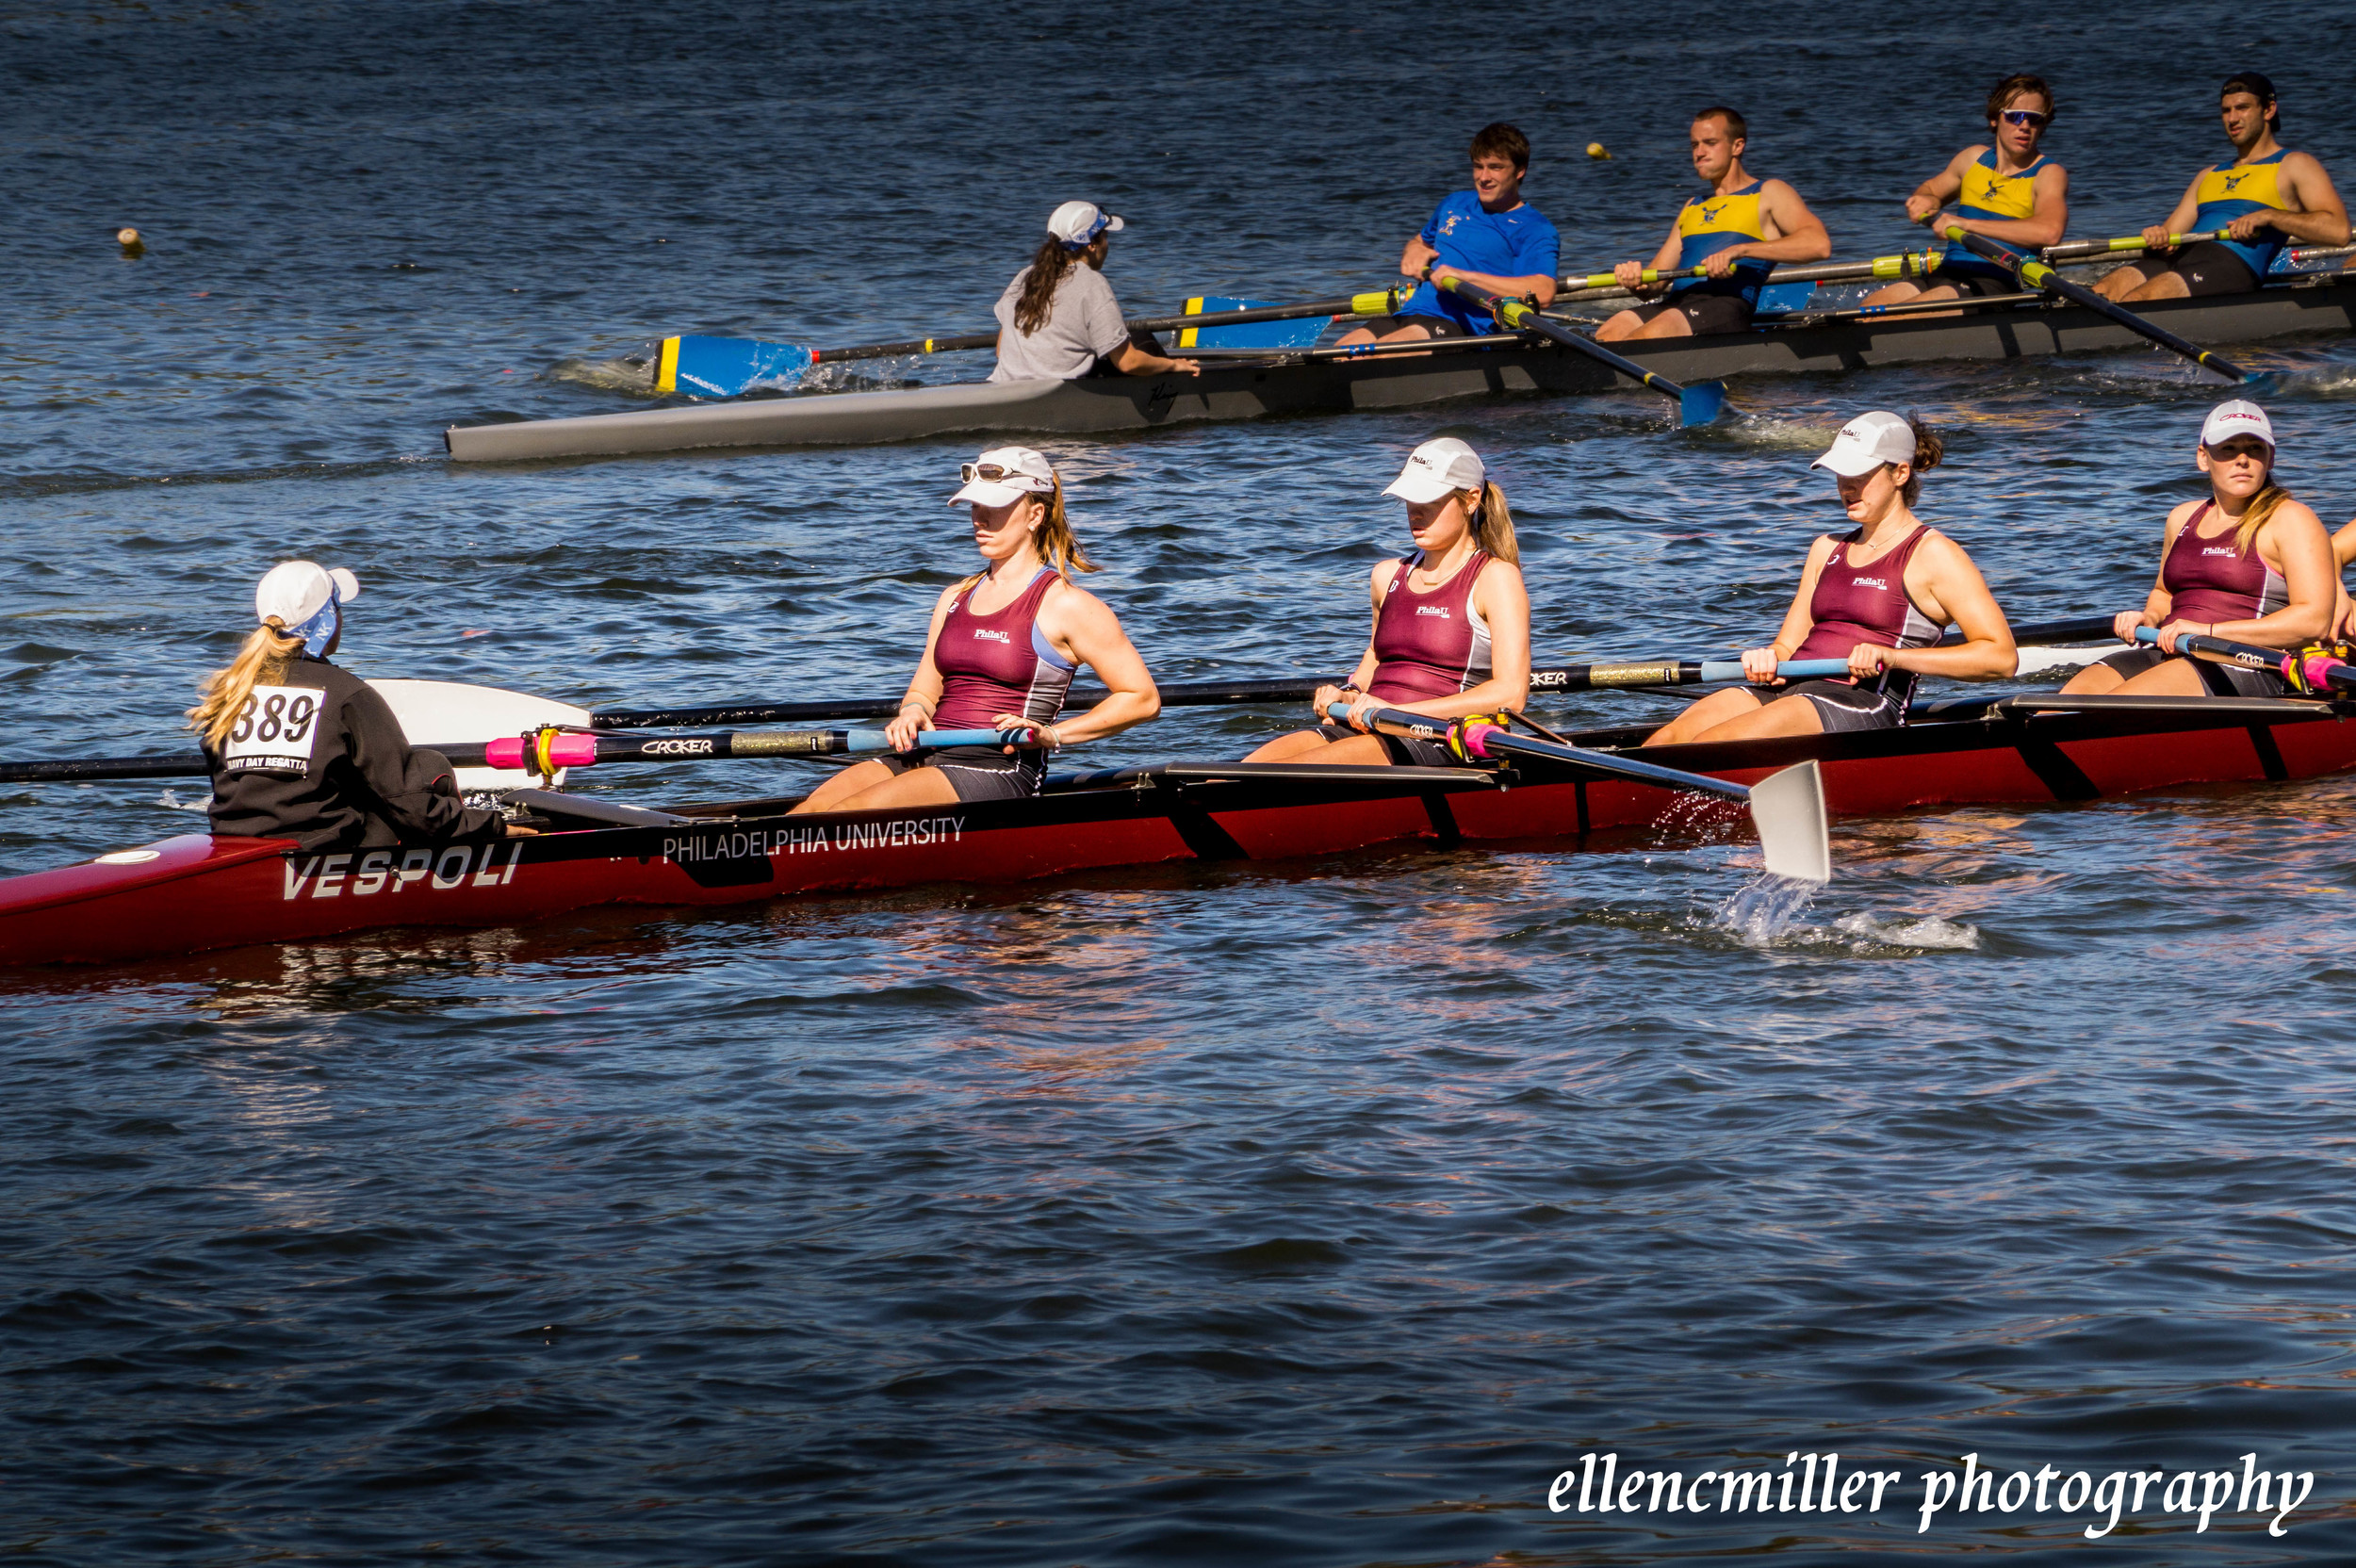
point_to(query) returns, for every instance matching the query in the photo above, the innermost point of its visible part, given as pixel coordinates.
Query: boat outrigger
(1255, 382)
(197, 892)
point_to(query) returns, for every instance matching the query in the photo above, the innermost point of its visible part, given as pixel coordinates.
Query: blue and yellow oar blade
(1701, 402)
(724, 366)
(1252, 334)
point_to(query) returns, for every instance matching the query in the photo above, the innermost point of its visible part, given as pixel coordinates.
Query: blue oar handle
(2152, 634)
(941, 740)
(1791, 669)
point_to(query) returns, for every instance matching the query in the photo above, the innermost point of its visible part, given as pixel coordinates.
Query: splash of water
(1767, 909)
(1933, 935)
(171, 802)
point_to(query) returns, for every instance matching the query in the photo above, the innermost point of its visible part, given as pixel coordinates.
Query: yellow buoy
(1597, 150)
(129, 240)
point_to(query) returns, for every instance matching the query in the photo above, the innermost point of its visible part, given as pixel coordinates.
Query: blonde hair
(2262, 506)
(1054, 541)
(1492, 522)
(260, 663)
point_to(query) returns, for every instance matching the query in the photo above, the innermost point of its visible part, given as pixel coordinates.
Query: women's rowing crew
(1878, 597)
(1001, 653)
(2249, 564)
(301, 749)
(1452, 619)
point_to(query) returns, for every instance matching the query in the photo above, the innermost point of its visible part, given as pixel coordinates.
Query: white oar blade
(1788, 808)
(449, 713)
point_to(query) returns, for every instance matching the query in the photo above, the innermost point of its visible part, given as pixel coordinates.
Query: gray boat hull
(1106, 405)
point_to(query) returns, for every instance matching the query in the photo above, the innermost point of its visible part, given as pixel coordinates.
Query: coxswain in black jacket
(301, 749)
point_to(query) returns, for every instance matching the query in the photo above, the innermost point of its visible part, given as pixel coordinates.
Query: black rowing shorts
(1438, 326)
(978, 772)
(1405, 751)
(2209, 268)
(2219, 681)
(1703, 313)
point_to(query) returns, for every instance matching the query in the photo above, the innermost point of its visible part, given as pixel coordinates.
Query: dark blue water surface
(1313, 1214)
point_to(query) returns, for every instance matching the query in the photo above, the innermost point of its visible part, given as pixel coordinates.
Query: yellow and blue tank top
(2229, 190)
(1987, 194)
(1710, 223)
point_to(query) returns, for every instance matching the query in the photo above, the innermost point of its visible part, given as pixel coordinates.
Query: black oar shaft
(1376, 304)
(1524, 316)
(2036, 274)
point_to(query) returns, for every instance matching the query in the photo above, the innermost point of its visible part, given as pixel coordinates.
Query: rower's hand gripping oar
(1698, 404)
(2307, 669)
(1786, 808)
(2036, 274)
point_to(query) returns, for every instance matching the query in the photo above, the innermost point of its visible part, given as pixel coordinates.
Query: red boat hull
(193, 893)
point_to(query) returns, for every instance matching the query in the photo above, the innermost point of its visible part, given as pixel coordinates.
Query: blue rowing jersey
(2232, 191)
(1712, 222)
(1471, 238)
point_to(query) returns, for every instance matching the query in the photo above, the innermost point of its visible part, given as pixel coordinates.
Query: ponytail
(1057, 546)
(260, 663)
(2262, 506)
(1929, 450)
(1048, 266)
(1493, 523)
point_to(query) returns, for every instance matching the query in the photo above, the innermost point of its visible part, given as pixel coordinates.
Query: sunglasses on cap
(995, 473)
(2026, 117)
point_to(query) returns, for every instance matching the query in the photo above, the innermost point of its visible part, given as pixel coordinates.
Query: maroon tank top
(1000, 662)
(2208, 579)
(1865, 604)
(1429, 645)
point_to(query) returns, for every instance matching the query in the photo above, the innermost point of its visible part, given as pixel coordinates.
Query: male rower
(1487, 236)
(1739, 232)
(2010, 192)
(2266, 197)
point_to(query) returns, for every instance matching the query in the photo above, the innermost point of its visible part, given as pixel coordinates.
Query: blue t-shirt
(1515, 244)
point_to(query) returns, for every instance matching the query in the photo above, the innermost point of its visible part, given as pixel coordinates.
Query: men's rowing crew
(300, 749)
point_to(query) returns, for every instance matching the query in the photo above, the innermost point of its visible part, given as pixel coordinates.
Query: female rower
(2249, 564)
(1451, 620)
(302, 749)
(1000, 654)
(1878, 597)
(1058, 320)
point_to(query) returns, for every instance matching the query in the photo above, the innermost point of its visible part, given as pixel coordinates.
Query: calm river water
(1310, 1214)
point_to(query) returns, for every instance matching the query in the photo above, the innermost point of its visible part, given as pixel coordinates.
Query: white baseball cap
(294, 591)
(1077, 222)
(1004, 475)
(2238, 417)
(1438, 468)
(1867, 442)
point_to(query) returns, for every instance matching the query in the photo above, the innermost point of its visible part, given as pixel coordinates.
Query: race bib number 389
(277, 728)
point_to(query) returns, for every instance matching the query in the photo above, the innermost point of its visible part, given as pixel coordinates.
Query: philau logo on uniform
(993, 637)
(1431, 610)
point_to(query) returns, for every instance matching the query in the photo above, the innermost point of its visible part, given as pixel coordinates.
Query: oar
(1786, 809)
(550, 750)
(1221, 694)
(1698, 404)
(1205, 694)
(724, 367)
(2036, 274)
(2307, 670)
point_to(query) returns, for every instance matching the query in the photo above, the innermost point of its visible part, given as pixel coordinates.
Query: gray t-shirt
(1083, 324)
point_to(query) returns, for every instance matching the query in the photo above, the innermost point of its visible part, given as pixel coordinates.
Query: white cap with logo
(1437, 468)
(1867, 442)
(1004, 475)
(1077, 222)
(2238, 417)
